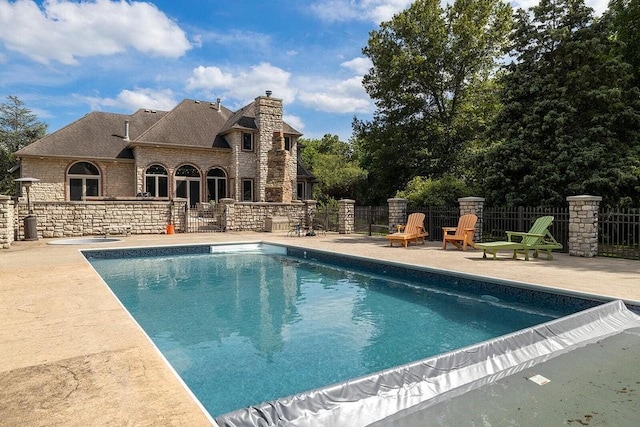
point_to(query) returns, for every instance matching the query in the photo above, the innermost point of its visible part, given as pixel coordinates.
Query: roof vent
(268, 93)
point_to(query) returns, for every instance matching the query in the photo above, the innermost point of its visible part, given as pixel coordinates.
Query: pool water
(245, 328)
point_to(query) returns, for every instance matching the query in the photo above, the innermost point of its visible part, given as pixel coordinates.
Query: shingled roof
(97, 135)
(192, 123)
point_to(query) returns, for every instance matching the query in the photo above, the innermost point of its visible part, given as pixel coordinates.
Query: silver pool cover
(418, 385)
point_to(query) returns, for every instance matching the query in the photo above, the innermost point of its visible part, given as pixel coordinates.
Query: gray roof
(191, 123)
(96, 135)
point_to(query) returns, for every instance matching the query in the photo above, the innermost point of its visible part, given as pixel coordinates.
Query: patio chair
(413, 231)
(537, 239)
(462, 235)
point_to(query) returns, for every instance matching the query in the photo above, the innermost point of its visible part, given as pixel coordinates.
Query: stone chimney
(273, 160)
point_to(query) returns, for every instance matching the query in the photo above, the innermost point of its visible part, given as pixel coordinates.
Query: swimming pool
(248, 327)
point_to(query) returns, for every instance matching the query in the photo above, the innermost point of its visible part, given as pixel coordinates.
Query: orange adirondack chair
(462, 234)
(413, 231)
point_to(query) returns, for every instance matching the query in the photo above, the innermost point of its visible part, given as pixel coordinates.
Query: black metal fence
(371, 220)
(619, 233)
(326, 218)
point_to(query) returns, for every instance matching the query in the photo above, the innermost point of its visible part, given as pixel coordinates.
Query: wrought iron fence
(326, 218)
(619, 233)
(203, 219)
(437, 217)
(371, 220)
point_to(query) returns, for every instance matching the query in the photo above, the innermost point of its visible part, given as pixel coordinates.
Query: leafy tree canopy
(19, 127)
(430, 63)
(334, 164)
(571, 114)
(444, 191)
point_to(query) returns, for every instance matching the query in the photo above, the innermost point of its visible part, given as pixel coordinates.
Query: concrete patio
(72, 356)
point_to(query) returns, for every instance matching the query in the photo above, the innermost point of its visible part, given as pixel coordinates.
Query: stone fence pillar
(346, 216)
(473, 205)
(583, 225)
(309, 212)
(228, 214)
(397, 212)
(6, 222)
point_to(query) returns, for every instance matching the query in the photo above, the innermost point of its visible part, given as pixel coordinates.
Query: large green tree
(19, 127)
(334, 164)
(430, 70)
(571, 113)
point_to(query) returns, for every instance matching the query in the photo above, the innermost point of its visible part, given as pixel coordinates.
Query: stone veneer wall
(6, 221)
(473, 205)
(346, 216)
(71, 219)
(245, 216)
(583, 225)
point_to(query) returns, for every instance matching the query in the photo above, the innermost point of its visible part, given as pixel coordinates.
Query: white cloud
(63, 31)
(132, 100)
(360, 65)
(243, 85)
(366, 10)
(335, 96)
(294, 121)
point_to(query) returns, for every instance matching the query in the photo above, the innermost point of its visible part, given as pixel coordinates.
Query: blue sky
(64, 59)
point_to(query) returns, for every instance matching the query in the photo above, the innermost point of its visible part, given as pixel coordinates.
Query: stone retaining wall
(252, 216)
(6, 221)
(74, 219)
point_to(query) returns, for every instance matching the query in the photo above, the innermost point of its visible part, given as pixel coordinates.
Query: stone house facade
(199, 151)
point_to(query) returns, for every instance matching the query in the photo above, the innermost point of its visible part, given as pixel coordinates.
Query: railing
(326, 218)
(619, 233)
(371, 220)
(437, 217)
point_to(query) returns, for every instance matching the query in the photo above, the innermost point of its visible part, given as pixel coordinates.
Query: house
(199, 151)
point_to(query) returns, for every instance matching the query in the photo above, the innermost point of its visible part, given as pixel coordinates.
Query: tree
(624, 18)
(570, 119)
(19, 127)
(333, 163)
(429, 63)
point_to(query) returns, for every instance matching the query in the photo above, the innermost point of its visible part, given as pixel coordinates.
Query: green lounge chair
(537, 239)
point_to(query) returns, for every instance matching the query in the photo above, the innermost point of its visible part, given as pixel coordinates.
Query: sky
(65, 59)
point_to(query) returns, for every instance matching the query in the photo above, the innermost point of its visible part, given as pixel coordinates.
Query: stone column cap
(471, 199)
(227, 201)
(396, 199)
(584, 198)
(347, 201)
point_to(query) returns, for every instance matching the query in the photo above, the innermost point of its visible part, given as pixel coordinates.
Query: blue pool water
(244, 328)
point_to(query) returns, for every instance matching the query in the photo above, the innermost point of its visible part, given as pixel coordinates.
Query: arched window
(216, 184)
(188, 184)
(156, 181)
(83, 180)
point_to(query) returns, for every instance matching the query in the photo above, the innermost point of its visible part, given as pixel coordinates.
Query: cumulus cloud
(294, 121)
(366, 10)
(63, 31)
(132, 100)
(335, 96)
(359, 65)
(242, 85)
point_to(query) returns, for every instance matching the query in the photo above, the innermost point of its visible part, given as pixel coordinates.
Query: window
(216, 184)
(156, 181)
(247, 141)
(300, 189)
(247, 190)
(287, 143)
(188, 184)
(83, 180)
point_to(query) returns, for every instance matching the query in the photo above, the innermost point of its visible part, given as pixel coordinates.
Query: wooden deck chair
(537, 239)
(462, 235)
(413, 231)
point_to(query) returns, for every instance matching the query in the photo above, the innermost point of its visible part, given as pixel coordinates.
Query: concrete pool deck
(71, 355)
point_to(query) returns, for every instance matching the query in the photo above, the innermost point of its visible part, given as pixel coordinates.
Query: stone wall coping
(471, 199)
(396, 199)
(293, 203)
(347, 201)
(5, 197)
(584, 198)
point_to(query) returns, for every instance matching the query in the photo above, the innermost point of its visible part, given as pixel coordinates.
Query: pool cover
(417, 385)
